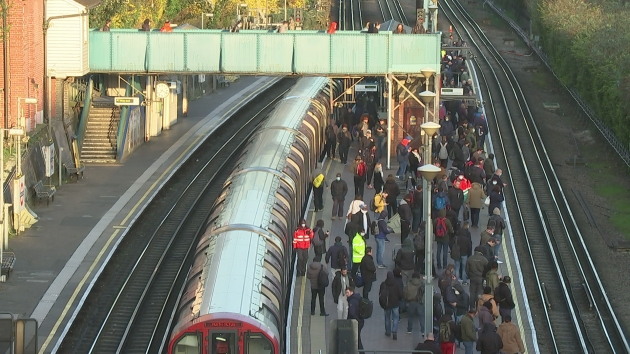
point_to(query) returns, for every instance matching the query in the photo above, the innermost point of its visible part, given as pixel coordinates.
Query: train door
(223, 343)
(257, 343)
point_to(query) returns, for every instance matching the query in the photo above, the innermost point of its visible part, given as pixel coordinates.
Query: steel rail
(559, 233)
(182, 220)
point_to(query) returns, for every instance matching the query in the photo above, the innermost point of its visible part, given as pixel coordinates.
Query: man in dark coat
(353, 310)
(389, 298)
(456, 197)
(363, 220)
(503, 295)
(337, 255)
(338, 191)
(489, 341)
(475, 266)
(368, 271)
(429, 345)
(404, 210)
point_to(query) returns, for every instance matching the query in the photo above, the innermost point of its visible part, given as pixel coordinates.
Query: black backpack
(365, 308)
(322, 278)
(383, 297)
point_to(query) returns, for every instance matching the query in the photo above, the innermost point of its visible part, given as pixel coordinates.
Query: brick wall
(26, 60)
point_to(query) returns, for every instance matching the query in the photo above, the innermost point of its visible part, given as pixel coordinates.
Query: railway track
(131, 305)
(577, 313)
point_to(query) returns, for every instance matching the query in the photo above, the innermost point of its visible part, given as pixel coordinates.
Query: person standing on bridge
(400, 29)
(419, 27)
(107, 26)
(332, 28)
(146, 26)
(167, 27)
(301, 243)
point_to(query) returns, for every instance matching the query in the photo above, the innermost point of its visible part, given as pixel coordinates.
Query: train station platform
(309, 334)
(60, 256)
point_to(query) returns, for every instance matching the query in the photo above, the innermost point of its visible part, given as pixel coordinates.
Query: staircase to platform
(99, 142)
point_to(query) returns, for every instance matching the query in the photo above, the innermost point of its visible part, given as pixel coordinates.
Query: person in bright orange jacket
(301, 243)
(167, 27)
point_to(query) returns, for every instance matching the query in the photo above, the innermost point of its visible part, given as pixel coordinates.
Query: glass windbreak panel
(257, 343)
(188, 344)
(223, 343)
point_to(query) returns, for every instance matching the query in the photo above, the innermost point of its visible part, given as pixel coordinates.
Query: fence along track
(580, 285)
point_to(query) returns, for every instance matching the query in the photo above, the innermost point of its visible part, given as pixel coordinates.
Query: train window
(188, 344)
(257, 343)
(222, 343)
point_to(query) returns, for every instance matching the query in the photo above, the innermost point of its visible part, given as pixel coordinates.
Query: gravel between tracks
(567, 132)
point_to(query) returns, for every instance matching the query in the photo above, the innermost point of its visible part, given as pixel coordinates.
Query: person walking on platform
(369, 156)
(488, 167)
(468, 331)
(414, 297)
(392, 189)
(389, 297)
(404, 210)
(476, 196)
(331, 139)
(339, 284)
(503, 295)
(489, 341)
(337, 255)
(381, 237)
(402, 156)
(366, 141)
(338, 191)
(461, 249)
(362, 218)
(416, 209)
(355, 206)
(442, 229)
(475, 266)
(510, 336)
(319, 181)
(404, 259)
(381, 137)
(448, 330)
(319, 238)
(344, 139)
(456, 197)
(496, 199)
(488, 297)
(485, 315)
(443, 149)
(360, 171)
(368, 272)
(379, 181)
(301, 243)
(358, 251)
(318, 288)
(354, 300)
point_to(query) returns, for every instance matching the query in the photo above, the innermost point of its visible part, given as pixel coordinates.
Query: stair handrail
(85, 112)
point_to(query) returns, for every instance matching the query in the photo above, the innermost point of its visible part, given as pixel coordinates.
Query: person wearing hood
(429, 345)
(341, 281)
(338, 191)
(392, 189)
(389, 297)
(448, 330)
(510, 336)
(317, 289)
(485, 315)
(404, 211)
(301, 243)
(463, 301)
(492, 276)
(405, 256)
(381, 237)
(363, 219)
(475, 266)
(414, 297)
(337, 255)
(489, 341)
(468, 331)
(402, 156)
(442, 240)
(354, 299)
(476, 197)
(344, 138)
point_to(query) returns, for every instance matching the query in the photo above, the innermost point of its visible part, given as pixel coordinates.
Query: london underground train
(235, 296)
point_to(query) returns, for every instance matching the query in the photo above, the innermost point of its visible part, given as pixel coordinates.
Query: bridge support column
(148, 109)
(185, 96)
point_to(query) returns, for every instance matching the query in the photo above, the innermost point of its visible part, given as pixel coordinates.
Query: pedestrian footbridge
(262, 52)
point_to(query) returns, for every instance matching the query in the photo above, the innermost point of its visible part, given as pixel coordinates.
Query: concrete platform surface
(58, 257)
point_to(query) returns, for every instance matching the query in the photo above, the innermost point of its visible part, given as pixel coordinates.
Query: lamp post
(428, 73)
(428, 172)
(433, 16)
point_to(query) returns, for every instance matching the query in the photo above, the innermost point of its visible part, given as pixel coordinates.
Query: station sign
(366, 87)
(127, 101)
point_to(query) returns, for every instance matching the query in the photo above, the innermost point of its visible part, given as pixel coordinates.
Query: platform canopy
(344, 53)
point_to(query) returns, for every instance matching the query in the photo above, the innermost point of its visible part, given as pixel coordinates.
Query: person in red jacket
(301, 243)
